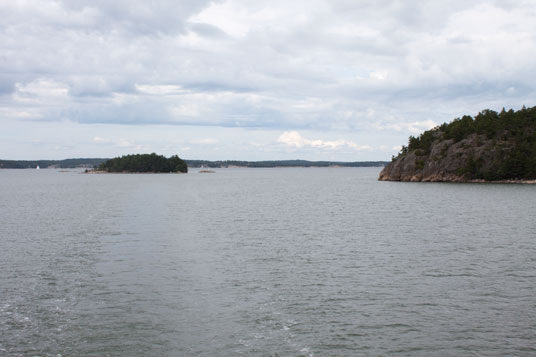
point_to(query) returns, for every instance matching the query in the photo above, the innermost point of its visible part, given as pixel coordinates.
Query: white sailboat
(37, 168)
(204, 169)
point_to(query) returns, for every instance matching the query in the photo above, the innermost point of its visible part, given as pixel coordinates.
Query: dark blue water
(264, 262)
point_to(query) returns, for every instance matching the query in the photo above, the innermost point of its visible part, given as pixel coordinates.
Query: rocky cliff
(490, 147)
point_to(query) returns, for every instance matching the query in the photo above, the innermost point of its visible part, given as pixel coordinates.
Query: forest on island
(144, 163)
(510, 135)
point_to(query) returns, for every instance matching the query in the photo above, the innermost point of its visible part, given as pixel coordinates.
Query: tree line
(63, 164)
(144, 163)
(511, 132)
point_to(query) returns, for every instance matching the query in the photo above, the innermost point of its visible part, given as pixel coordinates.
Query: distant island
(144, 163)
(491, 147)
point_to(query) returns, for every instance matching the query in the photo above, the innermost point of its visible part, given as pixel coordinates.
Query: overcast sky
(342, 80)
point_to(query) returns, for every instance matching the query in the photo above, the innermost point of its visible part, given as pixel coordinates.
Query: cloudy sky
(243, 79)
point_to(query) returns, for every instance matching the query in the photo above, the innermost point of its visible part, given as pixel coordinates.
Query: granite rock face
(447, 160)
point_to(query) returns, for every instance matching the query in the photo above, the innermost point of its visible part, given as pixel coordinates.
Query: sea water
(264, 262)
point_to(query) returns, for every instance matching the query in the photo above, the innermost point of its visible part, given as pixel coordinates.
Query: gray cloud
(207, 30)
(7, 84)
(337, 65)
(135, 17)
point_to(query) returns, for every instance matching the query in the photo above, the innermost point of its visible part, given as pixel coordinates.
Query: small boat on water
(204, 169)
(37, 168)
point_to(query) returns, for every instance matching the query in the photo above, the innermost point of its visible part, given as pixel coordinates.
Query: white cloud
(164, 89)
(119, 143)
(294, 139)
(18, 113)
(378, 75)
(204, 141)
(41, 90)
(100, 140)
(186, 109)
(412, 127)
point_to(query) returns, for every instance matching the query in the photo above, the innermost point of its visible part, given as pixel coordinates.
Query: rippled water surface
(264, 262)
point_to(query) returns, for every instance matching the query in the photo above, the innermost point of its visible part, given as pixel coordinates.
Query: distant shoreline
(90, 163)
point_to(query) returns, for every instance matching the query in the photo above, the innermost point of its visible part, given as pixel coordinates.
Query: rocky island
(143, 163)
(492, 146)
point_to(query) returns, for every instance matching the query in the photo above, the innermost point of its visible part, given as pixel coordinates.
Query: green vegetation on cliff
(491, 146)
(144, 163)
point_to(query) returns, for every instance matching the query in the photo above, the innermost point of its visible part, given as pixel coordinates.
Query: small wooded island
(143, 163)
(489, 147)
